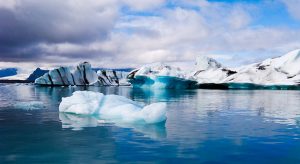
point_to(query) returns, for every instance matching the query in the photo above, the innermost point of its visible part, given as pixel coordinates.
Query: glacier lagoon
(202, 126)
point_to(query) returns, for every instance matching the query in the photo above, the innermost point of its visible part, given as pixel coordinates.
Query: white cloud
(176, 34)
(8, 4)
(143, 4)
(293, 7)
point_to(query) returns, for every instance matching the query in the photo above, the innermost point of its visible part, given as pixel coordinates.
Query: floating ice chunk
(112, 107)
(83, 102)
(31, 105)
(157, 115)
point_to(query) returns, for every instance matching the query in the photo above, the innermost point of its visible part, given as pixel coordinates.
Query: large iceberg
(274, 73)
(83, 74)
(284, 70)
(112, 107)
(160, 75)
(80, 75)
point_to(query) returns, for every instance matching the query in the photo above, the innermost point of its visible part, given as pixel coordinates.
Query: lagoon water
(203, 126)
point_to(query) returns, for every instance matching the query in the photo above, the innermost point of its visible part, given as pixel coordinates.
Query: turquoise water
(203, 126)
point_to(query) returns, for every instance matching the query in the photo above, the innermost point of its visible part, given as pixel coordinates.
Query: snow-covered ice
(112, 107)
(284, 70)
(208, 70)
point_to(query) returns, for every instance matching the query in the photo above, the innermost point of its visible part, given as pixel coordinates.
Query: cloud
(33, 22)
(66, 32)
(8, 4)
(183, 34)
(143, 5)
(293, 7)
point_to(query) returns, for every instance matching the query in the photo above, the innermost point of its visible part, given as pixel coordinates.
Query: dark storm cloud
(33, 22)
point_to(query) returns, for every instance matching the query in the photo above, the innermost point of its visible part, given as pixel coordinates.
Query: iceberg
(15, 74)
(273, 73)
(112, 107)
(280, 71)
(64, 76)
(208, 70)
(4, 72)
(36, 74)
(160, 75)
(112, 77)
(81, 75)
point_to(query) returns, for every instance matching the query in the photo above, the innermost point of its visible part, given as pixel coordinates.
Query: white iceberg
(112, 107)
(208, 70)
(64, 76)
(284, 70)
(274, 73)
(160, 75)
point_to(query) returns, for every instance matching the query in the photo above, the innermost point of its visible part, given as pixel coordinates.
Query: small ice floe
(30, 105)
(113, 107)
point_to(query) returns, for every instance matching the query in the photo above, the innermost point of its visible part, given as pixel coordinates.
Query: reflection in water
(78, 122)
(278, 106)
(30, 105)
(253, 126)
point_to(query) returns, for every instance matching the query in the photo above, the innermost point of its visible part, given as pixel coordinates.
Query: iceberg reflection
(277, 106)
(79, 122)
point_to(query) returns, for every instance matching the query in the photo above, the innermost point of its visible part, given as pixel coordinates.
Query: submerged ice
(112, 107)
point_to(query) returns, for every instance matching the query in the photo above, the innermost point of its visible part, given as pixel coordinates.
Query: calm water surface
(203, 126)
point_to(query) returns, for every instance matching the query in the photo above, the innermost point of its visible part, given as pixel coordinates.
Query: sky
(131, 33)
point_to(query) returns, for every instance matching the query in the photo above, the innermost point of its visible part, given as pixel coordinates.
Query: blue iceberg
(160, 75)
(162, 82)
